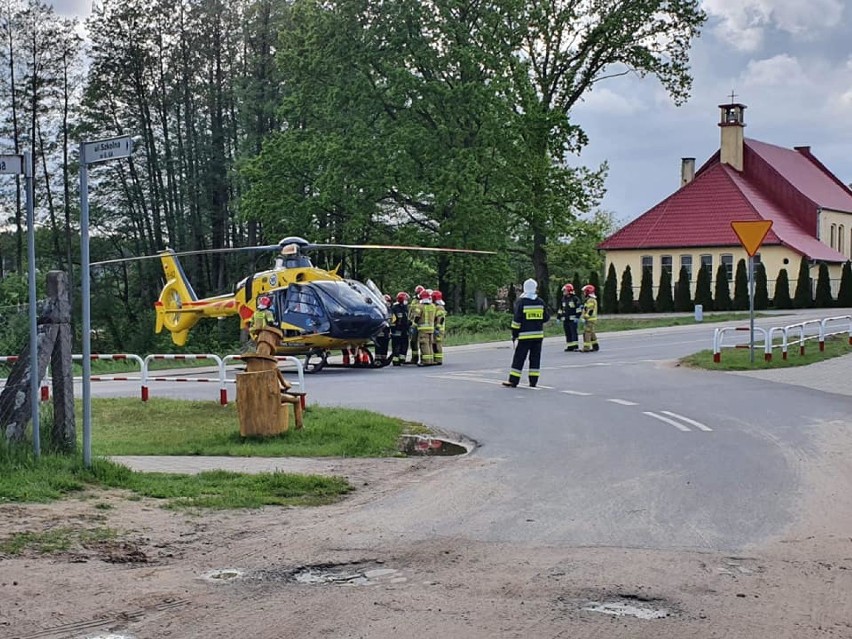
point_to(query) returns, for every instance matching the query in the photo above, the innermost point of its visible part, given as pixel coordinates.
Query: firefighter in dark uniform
(570, 309)
(527, 334)
(399, 325)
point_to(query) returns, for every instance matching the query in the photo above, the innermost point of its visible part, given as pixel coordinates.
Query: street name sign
(11, 164)
(109, 149)
(751, 234)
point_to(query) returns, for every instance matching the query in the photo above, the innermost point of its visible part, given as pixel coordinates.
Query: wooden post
(63, 434)
(259, 404)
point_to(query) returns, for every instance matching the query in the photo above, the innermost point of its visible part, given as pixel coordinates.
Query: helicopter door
(300, 306)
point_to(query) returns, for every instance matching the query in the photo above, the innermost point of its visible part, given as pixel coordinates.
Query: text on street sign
(103, 150)
(11, 164)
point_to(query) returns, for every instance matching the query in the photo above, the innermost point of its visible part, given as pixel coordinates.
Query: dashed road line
(698, 425)
(623, 402)
(577, 393)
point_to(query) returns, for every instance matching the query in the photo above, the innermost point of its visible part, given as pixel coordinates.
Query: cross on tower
(733, 96)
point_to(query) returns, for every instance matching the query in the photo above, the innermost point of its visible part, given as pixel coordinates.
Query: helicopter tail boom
(174, 307)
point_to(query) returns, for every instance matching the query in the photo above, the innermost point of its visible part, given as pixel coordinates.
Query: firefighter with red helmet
(440, 325)
(262, 317)
(590, 318)
(413, 307)
(424, 319)
(399, 325)
(569, 311)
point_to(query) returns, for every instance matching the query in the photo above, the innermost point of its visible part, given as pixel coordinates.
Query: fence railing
(145, 377)
(797, 334)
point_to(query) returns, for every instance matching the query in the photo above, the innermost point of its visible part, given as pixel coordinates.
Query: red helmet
(588, 289)
(417, 289)
(402, 297)
(568, 288)
(425, 295)
(437, 296)
(263, 302)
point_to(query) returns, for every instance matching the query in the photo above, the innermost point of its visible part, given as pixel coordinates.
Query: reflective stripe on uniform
(533, 312)
(514, 373)
(534, 372)
(516, 325)
(531, 335)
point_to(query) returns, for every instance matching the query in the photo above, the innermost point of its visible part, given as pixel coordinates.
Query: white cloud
(781, 69)
(743, 23)
(605, 101)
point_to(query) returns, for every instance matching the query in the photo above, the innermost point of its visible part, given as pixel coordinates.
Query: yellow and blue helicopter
(318, 310)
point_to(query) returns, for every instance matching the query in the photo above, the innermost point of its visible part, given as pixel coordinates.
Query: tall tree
(703, 295)
(844, 295)
(683, 295)
(782, 291)
(625, 296)
(610, 293)
(804, 296)
(722, 297)
(761, 288)
(665, 301)
(741, 287)
(823, 297)
(646, 292)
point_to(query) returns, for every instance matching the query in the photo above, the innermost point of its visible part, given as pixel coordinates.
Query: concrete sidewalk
(830, 376)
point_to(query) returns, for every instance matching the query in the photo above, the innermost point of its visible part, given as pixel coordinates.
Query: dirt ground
(309, 572)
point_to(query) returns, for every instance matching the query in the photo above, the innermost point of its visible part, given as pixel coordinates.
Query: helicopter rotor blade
(270, 247)
(395, 247)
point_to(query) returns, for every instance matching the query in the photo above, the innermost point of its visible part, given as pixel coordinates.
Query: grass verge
(26, 479)
(175, 427)
(737, 359)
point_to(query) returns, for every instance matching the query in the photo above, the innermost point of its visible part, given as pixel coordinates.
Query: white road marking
(698, 425)
(578, 393)
(467, 379)
(624, 402)
(667, 420)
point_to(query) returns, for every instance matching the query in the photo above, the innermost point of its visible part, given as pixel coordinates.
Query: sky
(788, 61)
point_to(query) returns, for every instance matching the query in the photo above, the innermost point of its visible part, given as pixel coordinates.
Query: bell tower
(732, 124)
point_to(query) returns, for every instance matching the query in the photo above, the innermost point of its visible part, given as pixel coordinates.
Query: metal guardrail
(145, 376)
(803, 331)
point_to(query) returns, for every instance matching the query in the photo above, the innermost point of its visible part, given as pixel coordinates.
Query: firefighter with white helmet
(570, 309)
(440, 327)
(590, 318)
(527, 334)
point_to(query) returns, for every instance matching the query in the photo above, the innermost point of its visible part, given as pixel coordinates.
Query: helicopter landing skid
(315, 361)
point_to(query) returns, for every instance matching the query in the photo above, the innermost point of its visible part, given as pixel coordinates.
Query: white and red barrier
(793, 334)
(300, 372)
(223, 393)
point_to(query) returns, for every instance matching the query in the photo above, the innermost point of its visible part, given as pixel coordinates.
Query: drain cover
(621, 609)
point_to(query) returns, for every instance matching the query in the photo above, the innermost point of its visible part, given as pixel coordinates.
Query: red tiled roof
(700, 213)
(806, 174)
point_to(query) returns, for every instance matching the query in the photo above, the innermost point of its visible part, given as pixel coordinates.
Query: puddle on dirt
(223, 575)
(425, 445)
(359, 573)
(621, 609)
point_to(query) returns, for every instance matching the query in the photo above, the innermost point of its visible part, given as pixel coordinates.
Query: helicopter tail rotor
(177, 291)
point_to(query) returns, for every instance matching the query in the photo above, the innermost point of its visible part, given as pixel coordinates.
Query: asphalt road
(616, 448)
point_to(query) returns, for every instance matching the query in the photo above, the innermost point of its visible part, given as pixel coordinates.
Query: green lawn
(175, 427)
(737, 359)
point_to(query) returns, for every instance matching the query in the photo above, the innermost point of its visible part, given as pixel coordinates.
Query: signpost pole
(91, 152)
(87, 311)
(751, 306)
(31, 285)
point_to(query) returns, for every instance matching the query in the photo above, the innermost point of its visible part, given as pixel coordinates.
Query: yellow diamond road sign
(752, 233)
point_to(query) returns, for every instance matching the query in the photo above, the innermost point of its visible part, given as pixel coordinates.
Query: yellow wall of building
(772, 257)
(835, 229)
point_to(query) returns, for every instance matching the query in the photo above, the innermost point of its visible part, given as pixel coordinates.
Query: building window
(728, 263)
(648, 263)
(707, 262)
(841, 233)
(686, 262)
(833, 235)
(666, 263)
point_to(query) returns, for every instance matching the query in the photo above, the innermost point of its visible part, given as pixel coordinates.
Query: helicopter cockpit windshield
(342, 309)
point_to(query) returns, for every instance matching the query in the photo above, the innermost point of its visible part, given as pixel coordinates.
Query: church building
(810, 209)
